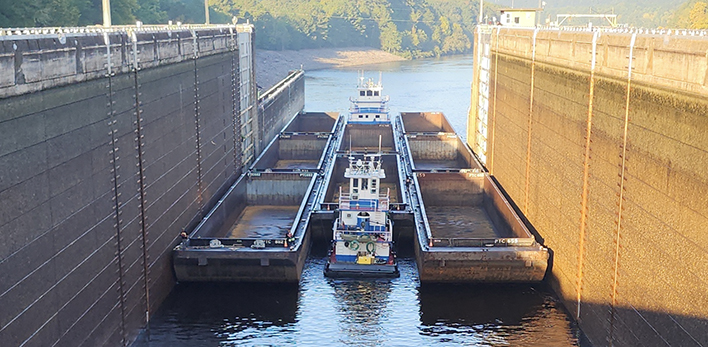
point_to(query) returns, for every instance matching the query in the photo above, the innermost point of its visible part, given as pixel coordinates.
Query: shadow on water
(491, 315)
(211, 313)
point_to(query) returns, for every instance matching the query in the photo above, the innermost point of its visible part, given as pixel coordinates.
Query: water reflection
(386, 312)
(212, 314)
(361, 310)
(494, 315)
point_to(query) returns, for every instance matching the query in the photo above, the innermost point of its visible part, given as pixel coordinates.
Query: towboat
(362, 240)
(362, 234)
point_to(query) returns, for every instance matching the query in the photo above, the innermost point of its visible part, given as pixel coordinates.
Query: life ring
(370, 247)
(353, 245)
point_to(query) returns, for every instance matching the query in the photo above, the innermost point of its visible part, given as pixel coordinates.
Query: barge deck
(258, 231)
(464, 228)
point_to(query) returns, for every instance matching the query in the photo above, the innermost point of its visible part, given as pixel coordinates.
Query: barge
(307, 185)
(466, 229)
(257, 232)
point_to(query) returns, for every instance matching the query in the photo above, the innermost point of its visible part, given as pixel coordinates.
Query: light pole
(538, 13)
(541, 7)
(206, 10)
(106, 7)
(481, 11)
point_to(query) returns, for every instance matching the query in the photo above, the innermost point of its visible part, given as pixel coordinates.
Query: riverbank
(273, 66)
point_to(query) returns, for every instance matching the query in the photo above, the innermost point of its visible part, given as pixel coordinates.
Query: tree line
(412, 28)
(680, 14)
(68, 13)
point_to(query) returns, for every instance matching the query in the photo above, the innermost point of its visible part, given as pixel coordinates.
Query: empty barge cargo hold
(257, 231)
(464, 228)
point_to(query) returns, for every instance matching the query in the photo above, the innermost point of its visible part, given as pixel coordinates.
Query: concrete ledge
(677, 62)
(34, 62)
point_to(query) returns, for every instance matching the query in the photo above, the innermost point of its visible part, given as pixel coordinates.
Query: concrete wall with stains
(110, 145)
(600, 139)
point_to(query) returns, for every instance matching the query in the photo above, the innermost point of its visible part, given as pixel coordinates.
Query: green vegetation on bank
(411, 28)
(685, 14)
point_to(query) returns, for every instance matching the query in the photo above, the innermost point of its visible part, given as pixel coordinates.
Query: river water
(392, 312)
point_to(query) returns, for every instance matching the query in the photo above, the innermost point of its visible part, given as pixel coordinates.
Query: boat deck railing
(368, 109)
(380, 205)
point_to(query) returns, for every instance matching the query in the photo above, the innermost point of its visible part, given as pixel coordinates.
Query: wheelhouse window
(362, 93)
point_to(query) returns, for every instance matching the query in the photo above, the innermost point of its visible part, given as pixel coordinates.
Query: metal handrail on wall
(14, 32)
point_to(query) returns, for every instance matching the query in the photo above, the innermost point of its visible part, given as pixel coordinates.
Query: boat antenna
(380, 78)
(350, 144)
(379, 144)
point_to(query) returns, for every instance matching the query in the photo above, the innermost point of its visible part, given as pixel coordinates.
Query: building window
(516, 20)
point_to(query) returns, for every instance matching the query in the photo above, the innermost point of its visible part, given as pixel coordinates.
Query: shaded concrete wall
(101, 166)
(278, 105)
(600, 139)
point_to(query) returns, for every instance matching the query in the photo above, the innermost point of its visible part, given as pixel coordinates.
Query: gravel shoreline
(273, 66)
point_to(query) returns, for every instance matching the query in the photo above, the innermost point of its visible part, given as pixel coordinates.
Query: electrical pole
(106, 7)
(538, 13)
(481, 11)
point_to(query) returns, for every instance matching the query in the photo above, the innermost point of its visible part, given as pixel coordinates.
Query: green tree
(390, 38)
(149, 12)
(698, 16)
(457, 42)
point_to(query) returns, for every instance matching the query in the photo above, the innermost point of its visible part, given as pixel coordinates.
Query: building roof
(520, 9)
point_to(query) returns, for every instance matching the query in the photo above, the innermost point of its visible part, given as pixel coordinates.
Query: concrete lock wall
(110, 145)
(599, 138)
